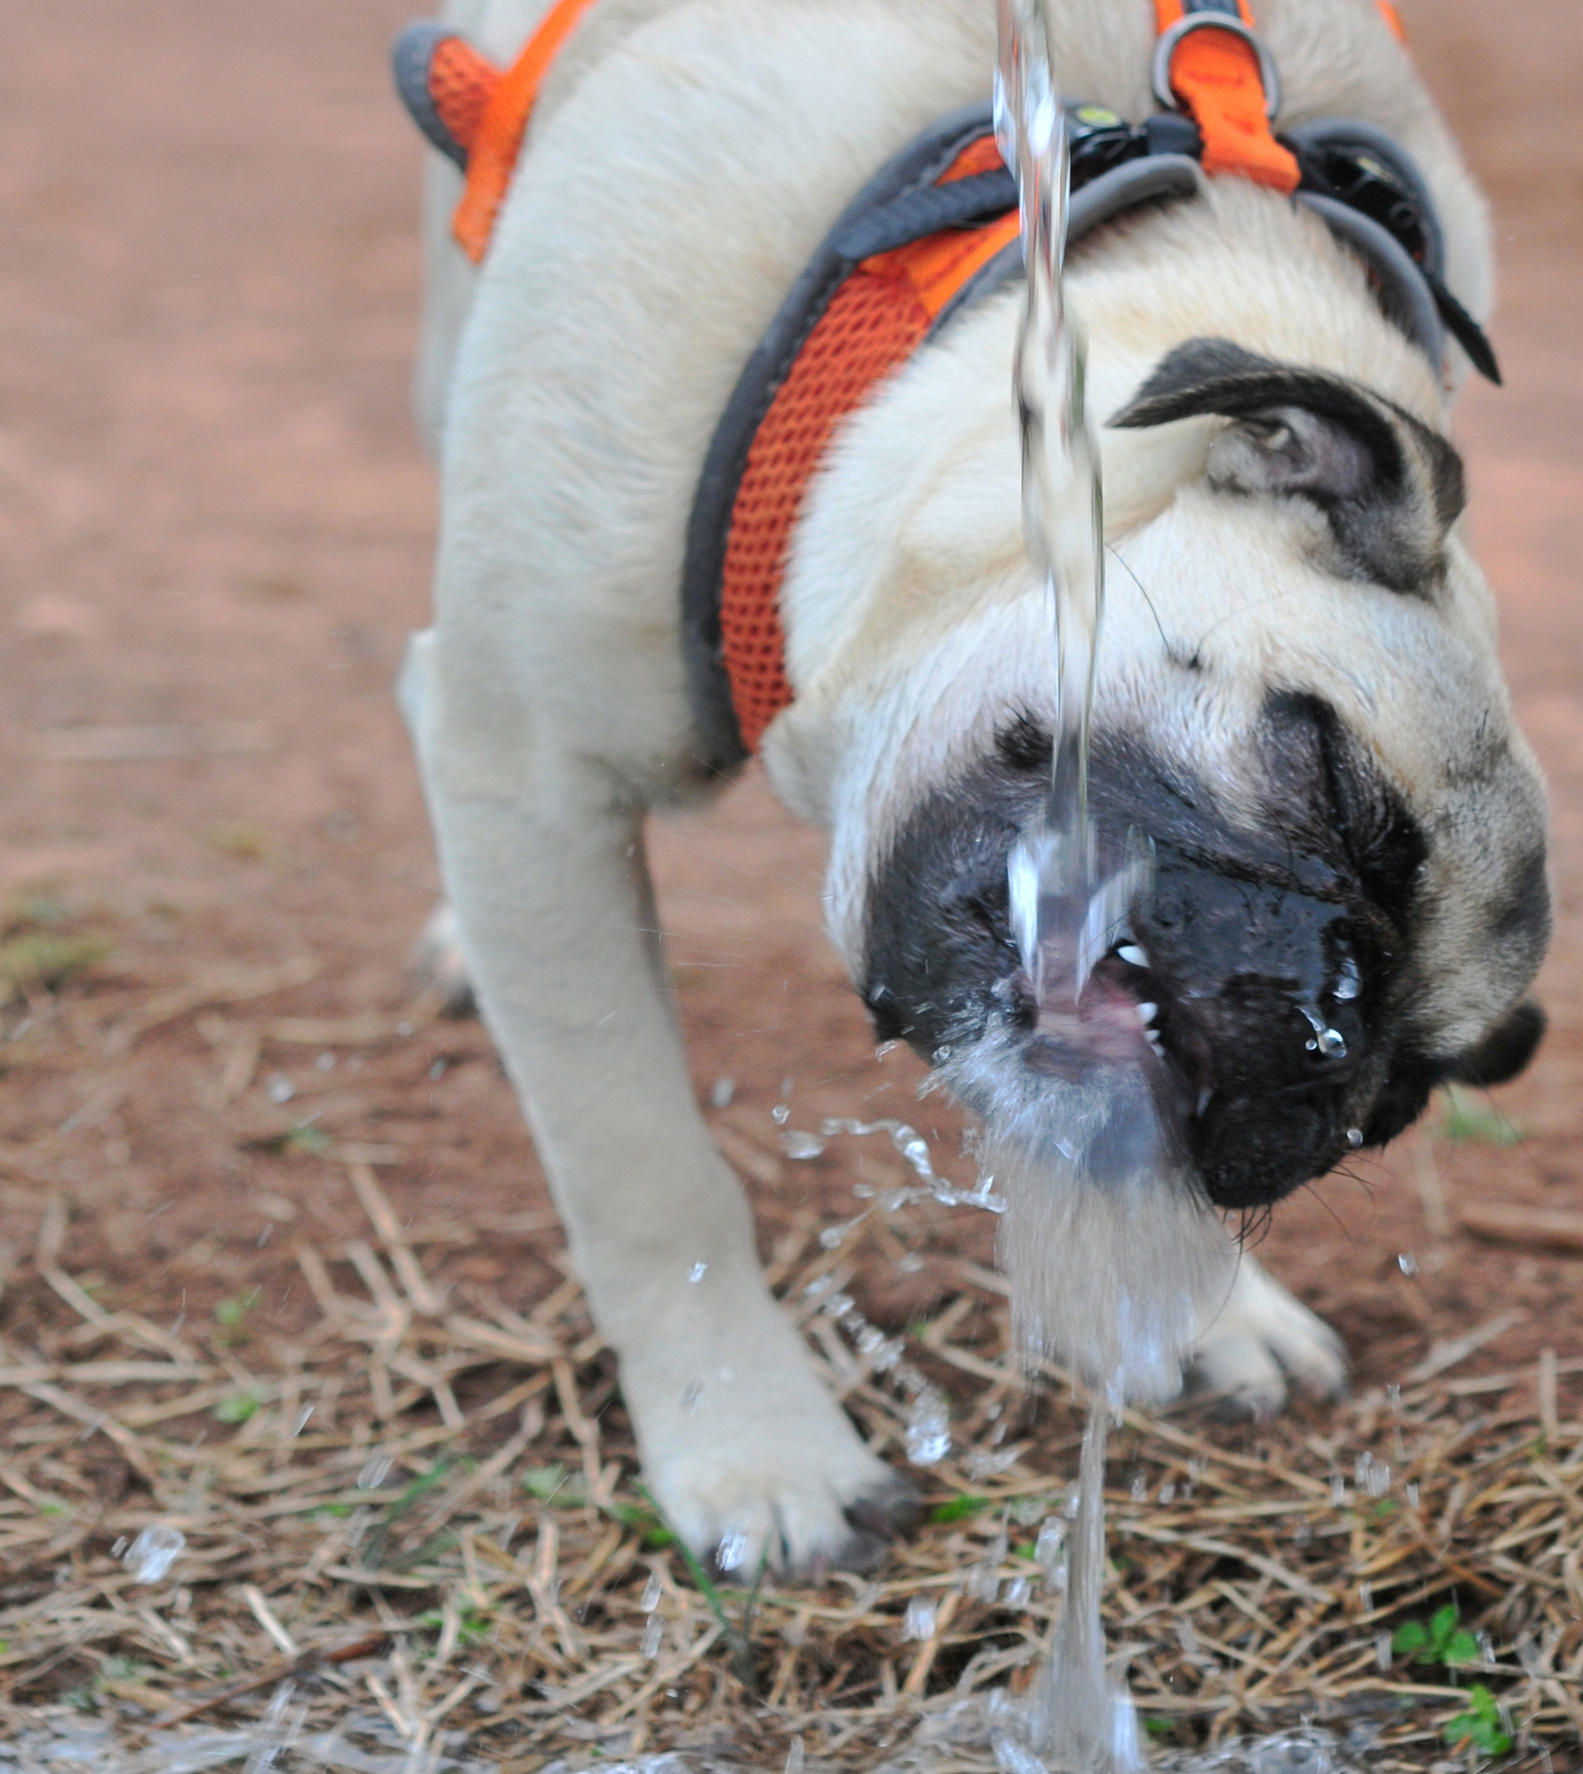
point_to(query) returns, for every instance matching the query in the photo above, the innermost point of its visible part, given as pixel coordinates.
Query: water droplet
(153, 1552)
(916, 1152)
(1350, 983)
(794, 1756)
(325, 1062)
(928, 1429)
(1328, 1043)
(981, 1464)
(885, 1049)
(920, 1618)
(1018, 1592)
(1294, 1752)
(1354, 1137)
(653, 1637)
(781, 1114)
(732, 1552)
(1140, 1488)
(940, 1055)
(302, 1419)
(1412, 1496)
(376, 1469)
(982, 1585)
(691, 1393)
(1047, 1548)
(722, 1093)
(1168, 1492)
(119, 1547)
(1338, 1493)
(280, 1088)
(786, 1085)
(698, 1271)
(1012, 1757)
(1407, 1263)
(1382, 1652)
(652, 1591)
(798, 1145)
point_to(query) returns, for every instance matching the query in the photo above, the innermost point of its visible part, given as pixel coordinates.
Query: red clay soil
(213, 510)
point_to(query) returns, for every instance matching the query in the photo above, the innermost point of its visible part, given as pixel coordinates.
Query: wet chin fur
(1113, 1253)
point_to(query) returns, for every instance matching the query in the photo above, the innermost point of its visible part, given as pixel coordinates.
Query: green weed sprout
(1444, 1640)
(1480, 1725)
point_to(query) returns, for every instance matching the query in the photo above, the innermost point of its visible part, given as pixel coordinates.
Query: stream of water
(1113, 1257)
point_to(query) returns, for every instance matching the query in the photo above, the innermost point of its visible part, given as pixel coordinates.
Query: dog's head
(1299, 704)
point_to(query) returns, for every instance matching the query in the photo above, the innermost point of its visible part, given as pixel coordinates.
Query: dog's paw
(765, 1471)
(437, 966)
(1262, 1341)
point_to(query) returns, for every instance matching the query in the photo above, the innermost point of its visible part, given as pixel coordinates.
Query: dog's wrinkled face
(1349, 895)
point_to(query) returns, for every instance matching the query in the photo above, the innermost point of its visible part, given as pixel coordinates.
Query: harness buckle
(1165, 51)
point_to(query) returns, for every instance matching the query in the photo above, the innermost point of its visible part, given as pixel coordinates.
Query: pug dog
(1297, 694)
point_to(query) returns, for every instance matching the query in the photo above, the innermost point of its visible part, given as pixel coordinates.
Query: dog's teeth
(1148, 1012)
(1133, 955)
(1154, 1042)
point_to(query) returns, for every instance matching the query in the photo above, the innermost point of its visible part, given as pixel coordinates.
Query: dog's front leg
(741, 1445)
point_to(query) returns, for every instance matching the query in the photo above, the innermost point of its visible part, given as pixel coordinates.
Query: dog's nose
(1266, 995)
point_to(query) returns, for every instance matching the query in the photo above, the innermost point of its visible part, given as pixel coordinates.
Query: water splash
(153, 1552)
(928, 1429)
(375, 1470)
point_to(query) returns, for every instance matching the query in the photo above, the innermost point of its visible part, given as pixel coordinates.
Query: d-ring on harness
(931, 231)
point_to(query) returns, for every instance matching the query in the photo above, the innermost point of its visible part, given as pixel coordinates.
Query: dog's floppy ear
(1389, 486)
(1505, 1051)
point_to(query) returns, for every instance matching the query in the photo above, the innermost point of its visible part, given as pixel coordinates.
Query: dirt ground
(215, 532)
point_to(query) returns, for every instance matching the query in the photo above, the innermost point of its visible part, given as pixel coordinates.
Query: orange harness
(856, 317)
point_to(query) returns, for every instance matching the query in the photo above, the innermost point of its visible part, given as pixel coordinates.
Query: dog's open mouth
(1137, 1048)
(1126, 1016)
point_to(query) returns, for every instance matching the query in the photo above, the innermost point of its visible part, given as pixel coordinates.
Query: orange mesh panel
(493, 156)
(461, 84)
(1216, 76)
(872, 325)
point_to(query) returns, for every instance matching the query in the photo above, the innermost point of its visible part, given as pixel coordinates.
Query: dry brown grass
(416, 1536)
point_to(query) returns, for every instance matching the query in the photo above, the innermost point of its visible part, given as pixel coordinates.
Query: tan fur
(688, 158)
